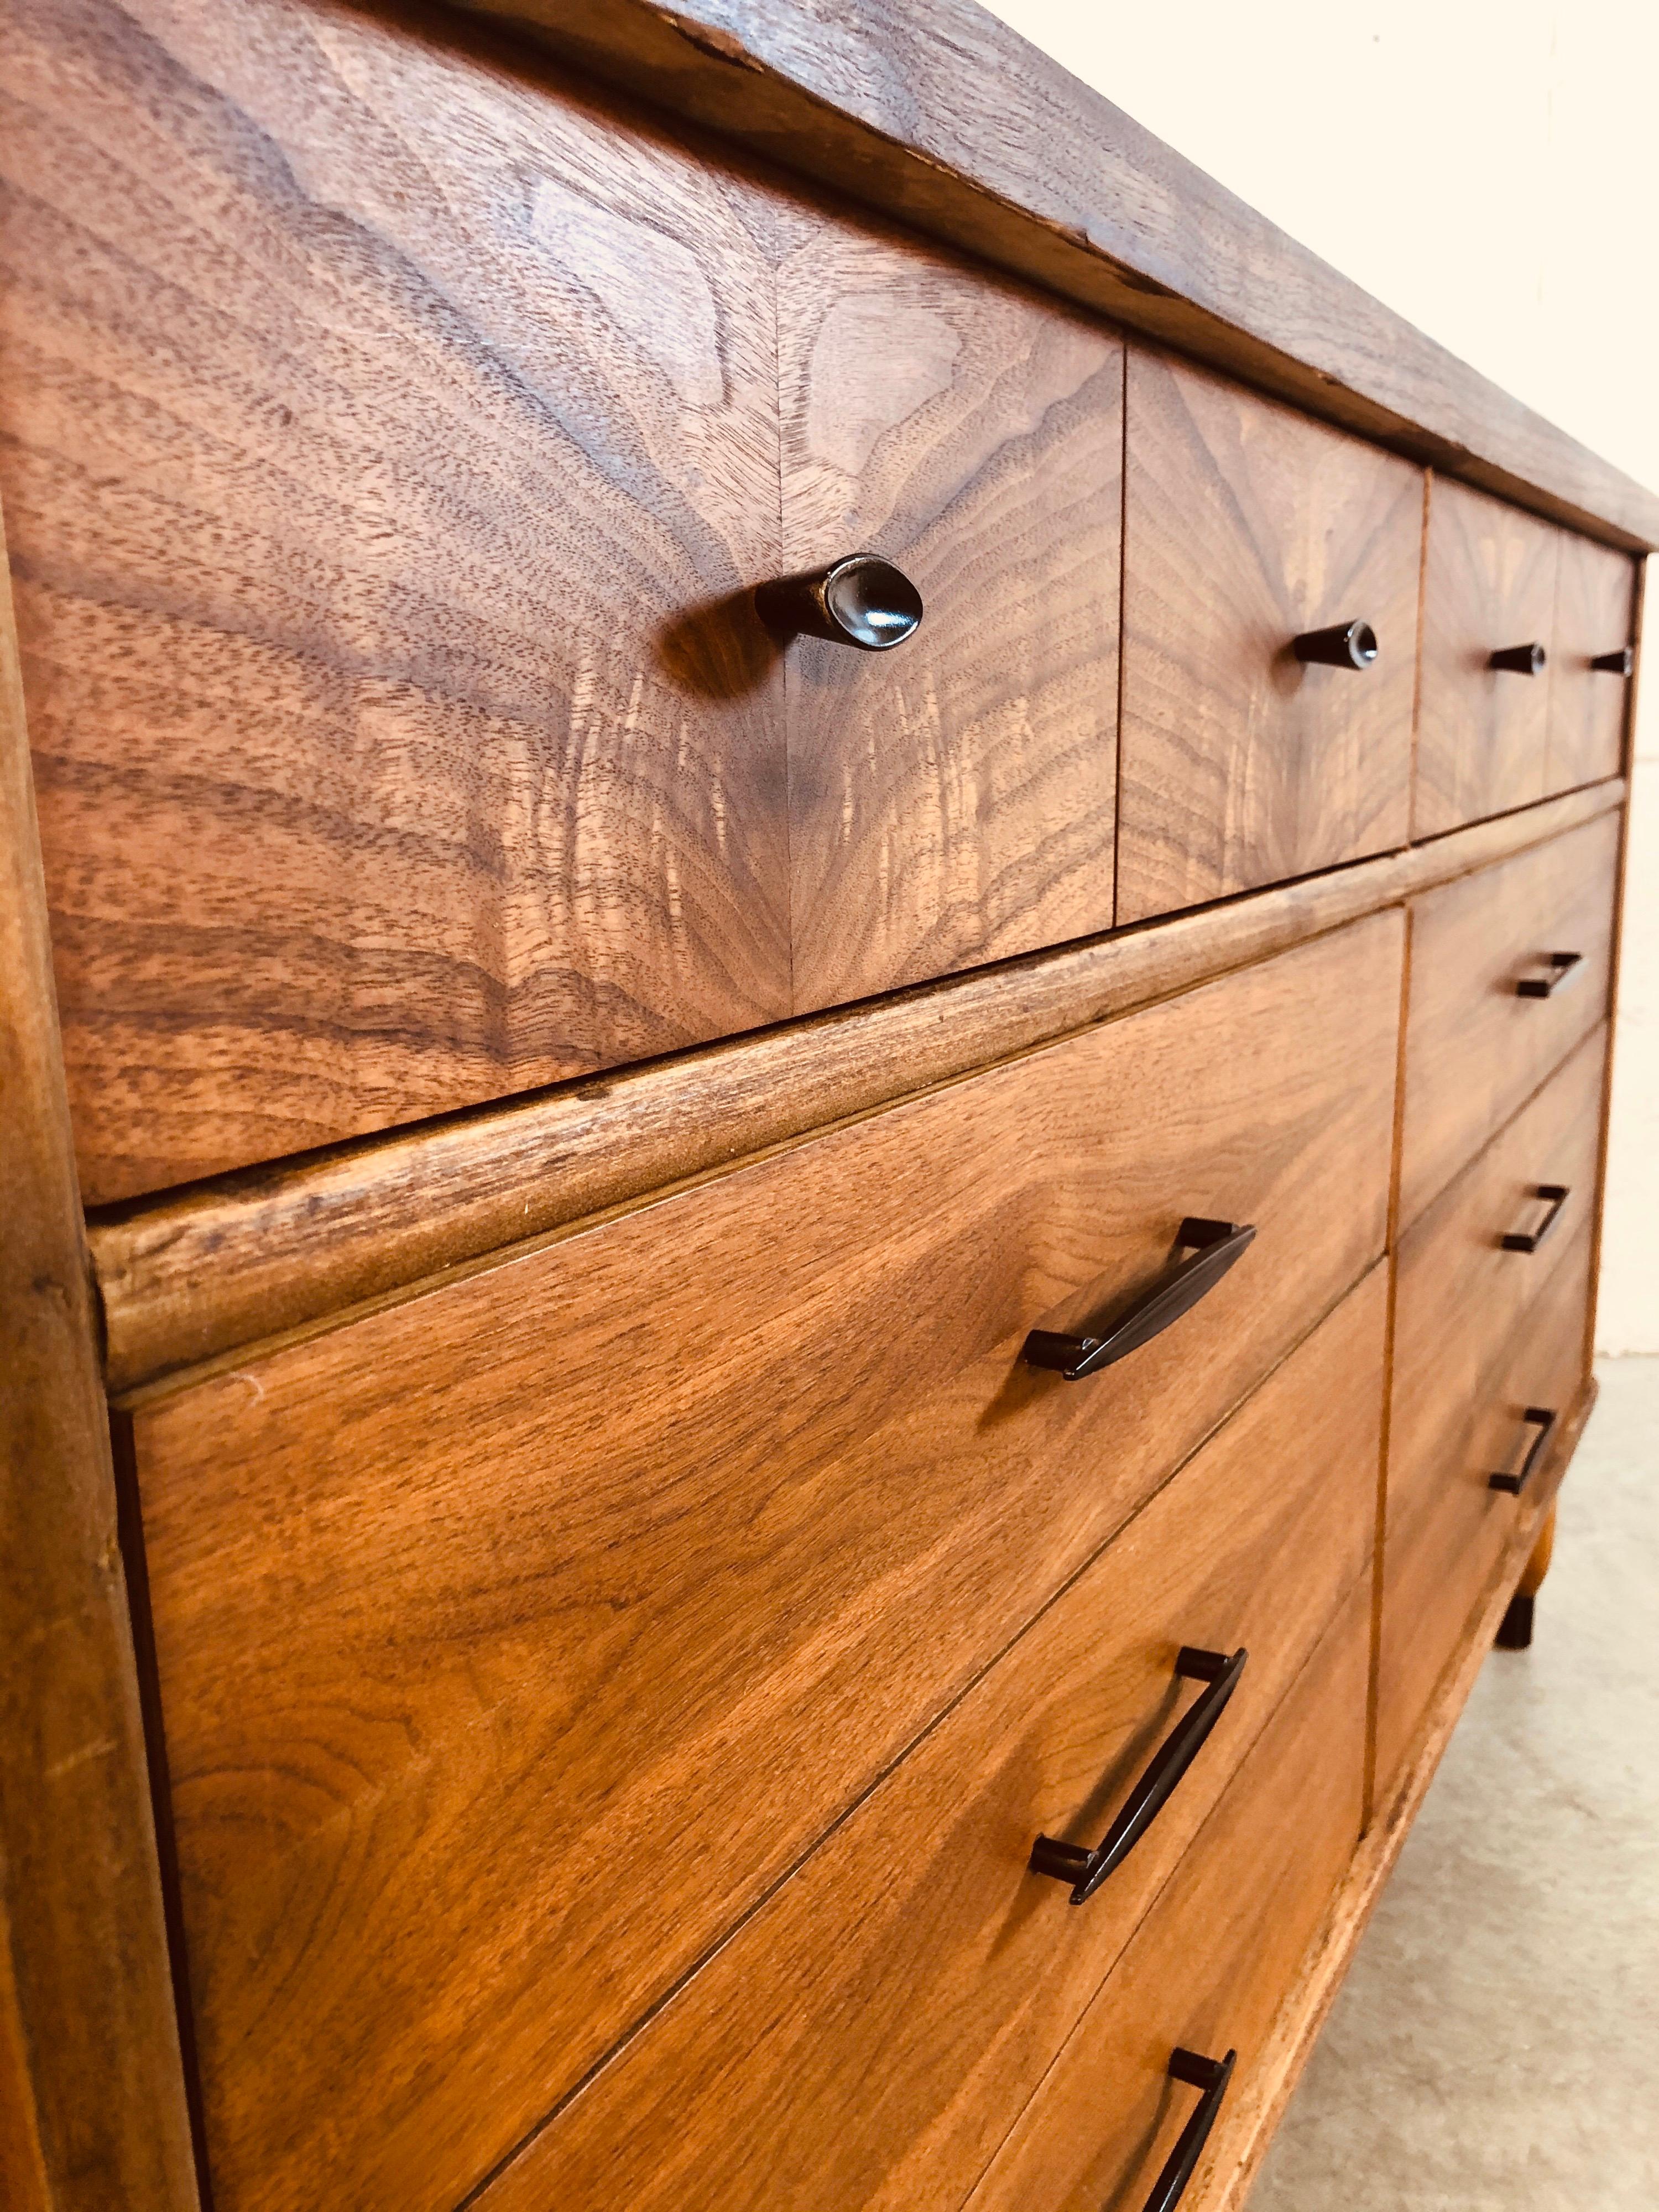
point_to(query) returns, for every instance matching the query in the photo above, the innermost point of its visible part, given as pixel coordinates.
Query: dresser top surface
(935, 112)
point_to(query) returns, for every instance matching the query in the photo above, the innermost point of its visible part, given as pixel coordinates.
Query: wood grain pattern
(381, 429)
(1263, 2098)
(1489, 583)
(1475, 1049)
(250, 1257)
(478, 1619)
(1479, 1334)
(951, 801)
(92, 2094)
(1244, 525)
(915, 1948)
(1594, 596)
(1213, 1958)
(938, 115)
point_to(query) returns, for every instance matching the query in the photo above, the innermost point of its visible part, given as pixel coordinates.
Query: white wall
(1487, 171)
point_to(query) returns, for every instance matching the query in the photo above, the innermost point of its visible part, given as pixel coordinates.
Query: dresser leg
(1514, 1630)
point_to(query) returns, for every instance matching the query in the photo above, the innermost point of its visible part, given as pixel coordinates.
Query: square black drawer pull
(1563, 967)
(1543, 1419)
(1555, 1196)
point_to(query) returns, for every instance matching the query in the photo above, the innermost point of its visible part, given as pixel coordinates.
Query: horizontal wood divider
(1307, 2004)
(937, 114)
(245, 1257)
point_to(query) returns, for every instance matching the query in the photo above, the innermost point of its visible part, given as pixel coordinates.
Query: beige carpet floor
(1495, 2046)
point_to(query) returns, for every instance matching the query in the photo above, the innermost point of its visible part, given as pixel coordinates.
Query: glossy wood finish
(195, 1276)
(1475, 1049)
(916, 1947)
(1594, 596)
(386, 432)
(1479, 1334)
(478, 1619)
(939, 115)
(1212, 1960)
(1489, 582)
(1246, 524)
(91, 2091)
(952, 800)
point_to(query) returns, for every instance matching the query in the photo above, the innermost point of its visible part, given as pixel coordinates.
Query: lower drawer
(515, 1641)
(1482, 1334)
(869, 2036)
(1211, 1962)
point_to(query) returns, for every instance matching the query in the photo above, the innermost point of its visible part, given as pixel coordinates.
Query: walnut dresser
(809, 912)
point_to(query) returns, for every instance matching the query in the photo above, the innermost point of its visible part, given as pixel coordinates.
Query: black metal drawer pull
(1563, 967)
(1213, 1245)
(1084, 1869)
(1543, 1419)
(862, 601)
(1621, 663)
(1520, 659)
(1555, 1195)
(1212, 2075)
(1344, 645)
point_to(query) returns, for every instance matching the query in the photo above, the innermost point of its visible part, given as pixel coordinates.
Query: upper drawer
(916, 1946)
(951, 800)
(512, 1641)
(1477, 1043)
(1248, 526)
(1210, 1965)
(405, 733)
(1499, 581)
(1489, 585)
(378, 431)
(1595, 604)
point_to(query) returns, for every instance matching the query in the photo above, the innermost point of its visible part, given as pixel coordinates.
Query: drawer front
(1489, 586)
(916, 1947)
(1475, 1046)
(1246, 526)
(953, 801)
(1594, 609)
(389, 758)
(515, 1640)
(1211, 1963)
(1482, 1334)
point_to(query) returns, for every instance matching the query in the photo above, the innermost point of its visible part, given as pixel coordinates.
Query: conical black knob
(862, 601)
(1520, 659)
(1622, 663)
(1344, 645)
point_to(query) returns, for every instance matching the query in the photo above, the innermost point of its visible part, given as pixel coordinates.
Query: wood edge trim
(88, 2038)
(1329, 1957)
(1192, 266)
(248, 1257)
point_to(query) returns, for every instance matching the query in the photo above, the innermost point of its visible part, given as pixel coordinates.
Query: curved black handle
(1520, 659)
(1086, 1870)
(1214, 1246)
(1563, 967)
(1555, 1195)
(1543, 1419)
(1212, 2075)
(862, 600)
(1621, 663)
(1344, 645)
